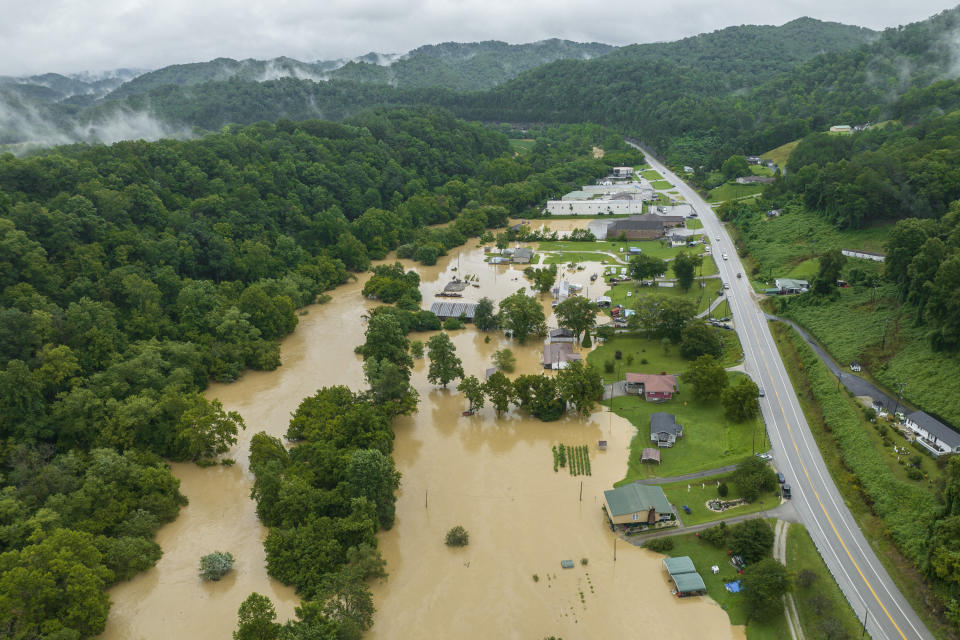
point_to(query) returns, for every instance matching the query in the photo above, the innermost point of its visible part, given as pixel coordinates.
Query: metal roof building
(444, 310)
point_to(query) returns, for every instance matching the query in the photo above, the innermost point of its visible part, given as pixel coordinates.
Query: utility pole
(581, 491)
(425, 492)
(899, 395)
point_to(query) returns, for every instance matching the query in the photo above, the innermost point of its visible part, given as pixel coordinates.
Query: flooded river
(494, 477)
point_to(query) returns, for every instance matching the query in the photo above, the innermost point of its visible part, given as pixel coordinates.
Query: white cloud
(76, 35)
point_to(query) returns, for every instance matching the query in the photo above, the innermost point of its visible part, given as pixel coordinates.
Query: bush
(806, 578)
(660, 545)
(457, 537)
(608, 366)
(752, 540)
(416, 348)
(617, 355)
(723, 490)
(717, 536)
(584, 561)
(452, 324)
(215, 565)
(752, 477)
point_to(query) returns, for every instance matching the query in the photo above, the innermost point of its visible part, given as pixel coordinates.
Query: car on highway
(726, 285)
(718, 238)
(765, 456)
(780, 478)
(724, 256)
(786, 491)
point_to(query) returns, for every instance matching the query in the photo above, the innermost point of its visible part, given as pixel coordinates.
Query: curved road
(858, 571)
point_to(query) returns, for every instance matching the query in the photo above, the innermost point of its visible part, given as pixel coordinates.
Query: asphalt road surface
(862, 578)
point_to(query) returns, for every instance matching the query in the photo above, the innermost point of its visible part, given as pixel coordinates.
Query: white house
(865, 255)
(932, 434)
(623, 172)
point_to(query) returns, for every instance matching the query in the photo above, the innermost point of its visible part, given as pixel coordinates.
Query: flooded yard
(494, 477)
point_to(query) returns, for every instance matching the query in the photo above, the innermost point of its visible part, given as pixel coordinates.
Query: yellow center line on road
(823, 508)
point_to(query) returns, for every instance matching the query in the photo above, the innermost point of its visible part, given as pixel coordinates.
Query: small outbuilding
(792, 285)
(686, 579)
(650, 455)
(445, 310)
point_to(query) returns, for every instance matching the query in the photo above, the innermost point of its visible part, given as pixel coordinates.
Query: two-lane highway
(862, 578)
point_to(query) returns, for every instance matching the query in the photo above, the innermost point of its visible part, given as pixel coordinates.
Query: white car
(724, 256)
(718, 238)
(726, 285)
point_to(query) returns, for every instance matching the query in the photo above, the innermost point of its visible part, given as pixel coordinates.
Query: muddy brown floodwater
(494, 477)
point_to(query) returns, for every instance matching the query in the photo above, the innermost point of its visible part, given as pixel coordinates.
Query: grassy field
(661, 185)
(709, 440)
(651, 174)
(578, 257)
(705, 556)
(695, 494)
(732, 190)
(852, 328)
(701, 297)
(732, 349)
(781, 154)
(802, 555)
(635, 350)
(522, 146)
(761, 170)
(778, 245)
(904, 572)
(694, 223)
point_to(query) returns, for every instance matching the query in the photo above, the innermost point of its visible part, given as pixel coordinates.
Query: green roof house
(637, 504)
(684, 575)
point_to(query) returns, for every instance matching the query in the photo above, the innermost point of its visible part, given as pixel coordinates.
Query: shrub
(215, 565)
(452, 324)
(660, 545)
(416, 348)
(608, 366)
(457, 537)
(536, 578)
(751, 539)
(806, 578)
(618, 355)
(723, 490)
(584, 561)
(717, 536)
(644, 361)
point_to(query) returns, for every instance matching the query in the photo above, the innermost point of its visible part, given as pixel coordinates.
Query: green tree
(580, 386)
(504, 360)
(734, 167)
(740, 401)
(707, 377)
(499, 390)
(444, 363)
(346, 599)
(698, 339)
(577, 314)
(214, 566)
(205, 430)
(386, 339)
(751, 539)
(752, 477)
(472, 390)
(646, 267)
(483, 317)
(684, 268)
(522, 315)
(457, 537)
(544, 278)
(371, 474)
(764, 585)
(390, 386)
(256, 619)
(831, 265)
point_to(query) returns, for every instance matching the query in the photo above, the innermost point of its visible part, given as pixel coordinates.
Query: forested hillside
(130, 275)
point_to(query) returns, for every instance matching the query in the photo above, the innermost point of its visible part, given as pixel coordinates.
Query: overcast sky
(68, 36)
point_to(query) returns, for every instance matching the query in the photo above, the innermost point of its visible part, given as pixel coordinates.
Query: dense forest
(130, 275)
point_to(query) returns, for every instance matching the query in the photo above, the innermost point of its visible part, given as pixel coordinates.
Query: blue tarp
(732, 587)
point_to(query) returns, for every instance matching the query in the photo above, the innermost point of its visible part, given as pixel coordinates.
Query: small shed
(650, 455)
(686, 580)
(602, 445)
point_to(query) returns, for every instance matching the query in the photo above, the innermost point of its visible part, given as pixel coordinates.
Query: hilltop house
(664, 429)
(637, 504)
(933, 435)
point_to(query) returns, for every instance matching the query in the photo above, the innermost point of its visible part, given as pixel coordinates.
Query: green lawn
(701, 297)
(706, 489)
(522, 146)
(704, 556)
(732, 349)
(802, 555)
(661, 185)
(732, 190)
(709, 439)
(694, 223)
(651, 174)
(781, 154)
(707, 268)
(635, 350)
(565, 257)
(760, 170)
(778, 245)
